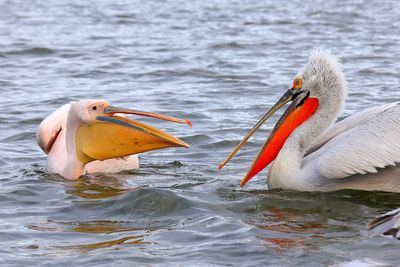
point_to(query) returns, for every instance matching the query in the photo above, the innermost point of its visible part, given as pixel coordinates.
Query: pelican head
(322, 77)
(85, 112)
(318, 89)
(94, 130)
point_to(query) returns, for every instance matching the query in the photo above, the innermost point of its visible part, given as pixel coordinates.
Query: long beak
(281, 102)
(113, 110)
(298, 111)
(113, 136)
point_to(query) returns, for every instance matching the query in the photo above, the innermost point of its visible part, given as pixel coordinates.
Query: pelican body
(90, 136)
(310, 152)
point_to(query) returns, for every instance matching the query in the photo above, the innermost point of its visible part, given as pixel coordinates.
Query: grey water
(221, 64)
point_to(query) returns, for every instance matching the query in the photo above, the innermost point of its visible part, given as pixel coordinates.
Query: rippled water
(220, 64)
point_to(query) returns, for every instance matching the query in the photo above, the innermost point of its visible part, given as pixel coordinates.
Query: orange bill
(113, 136)
(299, 111)
(281, 102)
(114, 110)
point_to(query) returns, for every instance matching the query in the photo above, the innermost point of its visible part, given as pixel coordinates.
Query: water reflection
(95, 186)
(285, 243)
(128, 240)
(101, 229)
(296, 228)
(95, 227)
(95, 191)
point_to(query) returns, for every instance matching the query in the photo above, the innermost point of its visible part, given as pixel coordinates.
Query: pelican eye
(94, 107)
(297, 83)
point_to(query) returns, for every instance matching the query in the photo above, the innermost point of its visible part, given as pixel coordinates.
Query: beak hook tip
(244, 181)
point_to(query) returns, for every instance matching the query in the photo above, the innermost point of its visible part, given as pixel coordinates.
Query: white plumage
(359, 152)
(363, 147)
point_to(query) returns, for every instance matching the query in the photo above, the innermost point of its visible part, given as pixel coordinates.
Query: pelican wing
(50, 127)
(386, 224)
(360, 144)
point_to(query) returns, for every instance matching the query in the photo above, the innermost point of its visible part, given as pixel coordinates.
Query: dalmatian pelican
(310, 152)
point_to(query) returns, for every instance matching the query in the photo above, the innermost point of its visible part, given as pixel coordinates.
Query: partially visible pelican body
(386, 224)
(312, 153)
(88, 136)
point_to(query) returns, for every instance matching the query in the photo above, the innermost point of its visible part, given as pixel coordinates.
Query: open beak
(301, 108)
(113, 136)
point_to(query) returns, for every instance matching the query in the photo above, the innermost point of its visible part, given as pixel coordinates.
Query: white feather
(363, 143)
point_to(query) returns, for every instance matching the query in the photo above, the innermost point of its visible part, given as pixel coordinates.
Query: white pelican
(87, 136)
(311, 153)
(386, 224)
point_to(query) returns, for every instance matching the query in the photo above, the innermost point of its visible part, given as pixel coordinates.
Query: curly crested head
(322, 76)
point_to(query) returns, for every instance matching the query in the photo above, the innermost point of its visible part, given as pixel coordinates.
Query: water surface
(221, 64)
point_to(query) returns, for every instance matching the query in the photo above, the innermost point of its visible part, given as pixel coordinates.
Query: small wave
(198, 138)
(139, 204)
(30, 51)
(149, 202)
(227, 45)
(19, 137)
